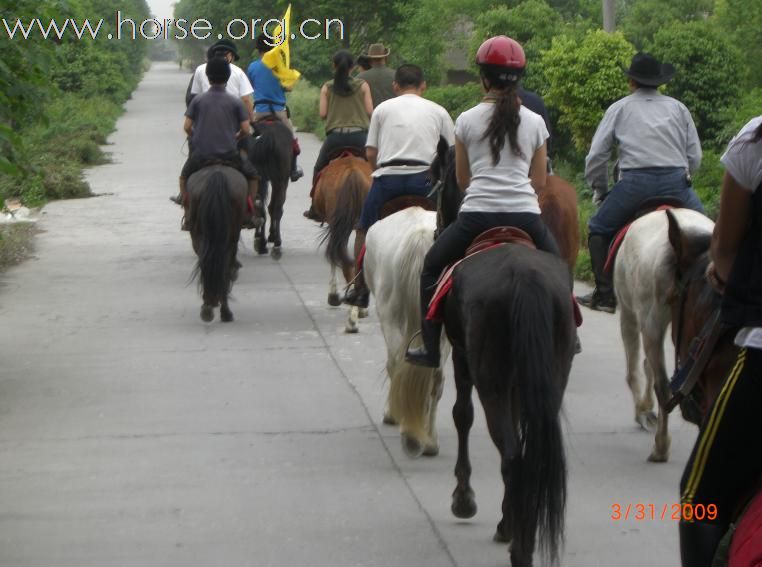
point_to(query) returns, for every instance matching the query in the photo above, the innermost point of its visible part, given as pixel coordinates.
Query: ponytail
(505, 119)
(344, 62)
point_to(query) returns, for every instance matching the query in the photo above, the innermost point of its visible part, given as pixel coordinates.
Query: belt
(398, 162)
(347, 130)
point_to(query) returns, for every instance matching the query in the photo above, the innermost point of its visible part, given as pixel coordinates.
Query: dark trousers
(452, 244)
(726, 460)
(334, 141)
(196, 162)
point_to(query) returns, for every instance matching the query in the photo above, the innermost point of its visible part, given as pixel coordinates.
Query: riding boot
(253, 220)
(427, 354)
(296, 171)
(180, 197)
(359, 294)
(602, 298)
(698, 542)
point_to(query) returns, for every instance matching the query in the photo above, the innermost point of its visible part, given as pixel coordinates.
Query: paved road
(133, 434)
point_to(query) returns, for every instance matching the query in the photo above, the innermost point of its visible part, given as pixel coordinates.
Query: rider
(658, 150)
(214, 121)
(726, 462)
(378, 76)
(500, 162)
(402, 142)
(270, 96)
(345, 105)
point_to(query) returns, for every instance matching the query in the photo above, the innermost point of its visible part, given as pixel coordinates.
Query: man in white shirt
(238, 85)
(402, 142)
(658, 149)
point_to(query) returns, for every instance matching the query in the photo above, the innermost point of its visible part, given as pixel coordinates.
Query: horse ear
(677, 241)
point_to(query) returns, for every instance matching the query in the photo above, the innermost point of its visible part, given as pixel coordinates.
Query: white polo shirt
(238, 84)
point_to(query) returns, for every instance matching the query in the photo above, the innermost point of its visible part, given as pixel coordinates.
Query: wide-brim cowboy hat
(377, 51)
(646, 70)
(225, 45)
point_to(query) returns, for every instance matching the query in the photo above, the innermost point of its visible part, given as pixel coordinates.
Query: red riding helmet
(501, 51)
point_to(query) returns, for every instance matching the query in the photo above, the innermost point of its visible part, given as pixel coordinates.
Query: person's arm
(596, 162)
(371, 154)
(243, 129)
(732, 224)
(249, 106)
(462, 166)
(323, 110)
(693, 146)
(368, 98)
(538, 169)
(188, 126)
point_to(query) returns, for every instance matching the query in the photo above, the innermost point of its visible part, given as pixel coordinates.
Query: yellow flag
(278, 59)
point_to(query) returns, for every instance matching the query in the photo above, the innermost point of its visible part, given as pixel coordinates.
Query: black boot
(358, 295)
(698, 542)
(428, 354)
(296, 172)
(602, 299)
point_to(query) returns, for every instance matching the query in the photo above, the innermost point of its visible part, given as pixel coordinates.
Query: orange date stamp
(647, 511)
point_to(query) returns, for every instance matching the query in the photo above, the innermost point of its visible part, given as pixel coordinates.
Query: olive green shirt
(346, 111)
(380, 80)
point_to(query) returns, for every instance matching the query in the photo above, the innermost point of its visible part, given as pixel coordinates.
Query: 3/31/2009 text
(641, 511)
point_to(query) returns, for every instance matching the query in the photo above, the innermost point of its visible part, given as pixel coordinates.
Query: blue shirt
(267, 88)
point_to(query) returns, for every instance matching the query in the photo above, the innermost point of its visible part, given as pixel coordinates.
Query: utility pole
(608, 16)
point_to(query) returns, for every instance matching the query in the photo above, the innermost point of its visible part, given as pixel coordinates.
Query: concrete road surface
(133, 434)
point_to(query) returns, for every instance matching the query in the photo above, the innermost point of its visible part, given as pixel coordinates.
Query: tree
(741, 20)
(643, 18)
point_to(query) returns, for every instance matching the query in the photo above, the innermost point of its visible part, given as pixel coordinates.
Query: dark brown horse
(217, 201)
(509, 319)
(339, 196)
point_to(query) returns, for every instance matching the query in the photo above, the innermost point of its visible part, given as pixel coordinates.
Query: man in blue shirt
(270, 97)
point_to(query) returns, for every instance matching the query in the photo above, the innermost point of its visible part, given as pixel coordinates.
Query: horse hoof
(362, 312)
(647, 420)
(658, 457)
(334, 300)
(502, 535)
(260, 245)
(226, 315)
(276, 253)
(412, 447)
(207, 313)
(388, 419)
(431, 450)
(351, 328)
(463, 504)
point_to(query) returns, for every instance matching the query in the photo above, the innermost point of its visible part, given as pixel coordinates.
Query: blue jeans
(388, 187)
(636, 186)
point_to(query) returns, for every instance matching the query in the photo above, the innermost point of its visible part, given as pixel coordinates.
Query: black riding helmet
(224, 46)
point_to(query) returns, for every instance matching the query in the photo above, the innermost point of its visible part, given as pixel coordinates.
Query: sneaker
(596, 302)
(312, 215)
(177, 199)
(296, 174)
(357, 297)
(419, 356)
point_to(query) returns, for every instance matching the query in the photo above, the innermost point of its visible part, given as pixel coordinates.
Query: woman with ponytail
(346, 106)
(500, 161)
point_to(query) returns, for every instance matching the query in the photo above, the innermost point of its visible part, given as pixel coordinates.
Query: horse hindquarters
(518, 334)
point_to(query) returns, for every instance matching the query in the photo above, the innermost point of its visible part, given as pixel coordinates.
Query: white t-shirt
(238, 84)
(743, 160)
(408, 127)
(505, 187)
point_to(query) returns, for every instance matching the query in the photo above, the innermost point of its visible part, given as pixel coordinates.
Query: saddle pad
(485, 241)
(617, 242)
(746, 547)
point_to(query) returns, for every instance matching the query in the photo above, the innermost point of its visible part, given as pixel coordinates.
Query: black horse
(509, 318)
(271, 152)
(217, 201)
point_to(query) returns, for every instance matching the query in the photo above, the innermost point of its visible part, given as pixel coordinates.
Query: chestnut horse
(339, 196)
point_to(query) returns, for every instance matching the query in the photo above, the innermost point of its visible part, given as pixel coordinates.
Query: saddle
(485, 241)
(648, 206)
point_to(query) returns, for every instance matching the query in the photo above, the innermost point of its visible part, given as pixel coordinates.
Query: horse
(509, 318)
(217, 202)
(339, 196)
(271, 153)
(694, 303)
(395, 249)
(644, 272)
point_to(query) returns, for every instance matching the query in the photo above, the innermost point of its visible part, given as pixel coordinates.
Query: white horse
(644, 281)
(395, 250)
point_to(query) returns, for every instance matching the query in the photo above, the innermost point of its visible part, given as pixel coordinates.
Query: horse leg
(628, 326)
(226, 315)
(275, 208)
(656, 372)
(260, 242)
(431, 449)
(351, 324)
(463, 498)
(333, 294)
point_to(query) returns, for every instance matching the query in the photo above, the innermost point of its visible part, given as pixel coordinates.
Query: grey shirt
(650, 130)
(379, 79)
(217, 117)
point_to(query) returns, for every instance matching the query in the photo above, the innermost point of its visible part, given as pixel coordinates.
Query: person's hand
(599, 194)
(714, 280)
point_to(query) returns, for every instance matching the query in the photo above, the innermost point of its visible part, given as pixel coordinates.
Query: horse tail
(538, 476)
(214, 218)
(411, 387)
(349, 204)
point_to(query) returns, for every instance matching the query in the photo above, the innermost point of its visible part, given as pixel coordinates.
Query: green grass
(16, 243)
(303, 103)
